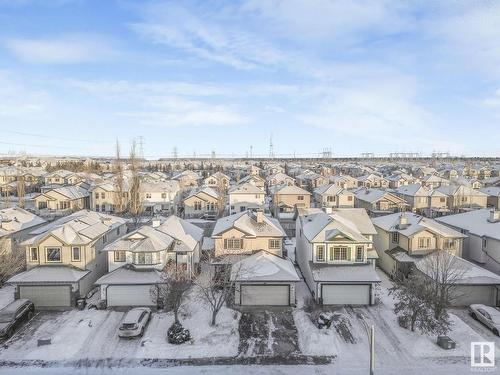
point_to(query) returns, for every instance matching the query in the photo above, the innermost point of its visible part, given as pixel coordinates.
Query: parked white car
(134, 322)
(489, 316)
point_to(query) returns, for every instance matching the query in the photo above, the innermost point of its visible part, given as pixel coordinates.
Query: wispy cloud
(70, 49)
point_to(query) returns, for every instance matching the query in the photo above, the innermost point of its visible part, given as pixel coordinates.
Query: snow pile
(312, 340)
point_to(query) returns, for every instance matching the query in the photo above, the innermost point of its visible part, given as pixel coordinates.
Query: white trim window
(76, 254)
(119, 256)
(395, 237)
(34, 254)
(320, 253)
(424, 242)
(233, 243)
(341, 253)
(53, 255)
(274, 244)
(360, 254)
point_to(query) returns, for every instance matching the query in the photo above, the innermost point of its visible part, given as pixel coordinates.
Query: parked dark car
(12, 315)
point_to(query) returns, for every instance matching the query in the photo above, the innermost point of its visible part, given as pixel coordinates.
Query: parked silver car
(12, 315)
(489, 316)
(135, 322)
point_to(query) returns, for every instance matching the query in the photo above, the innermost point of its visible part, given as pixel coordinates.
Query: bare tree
(413, 306)
(176, 283)
(11, 261)
(21, 189)
(221, 199)
(444, 271)
(119, 182)
(135, 207)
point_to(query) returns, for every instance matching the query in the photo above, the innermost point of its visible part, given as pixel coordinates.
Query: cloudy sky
(353, 76)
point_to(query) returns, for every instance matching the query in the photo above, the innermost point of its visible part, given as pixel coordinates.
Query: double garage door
(130, 295)
(345, 294)
(265, 295)
(47, 295)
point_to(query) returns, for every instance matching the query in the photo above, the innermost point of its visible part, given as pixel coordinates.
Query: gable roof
(264, 266)
(476, 222)
(247, 223)
(246, 188)
(18, 219)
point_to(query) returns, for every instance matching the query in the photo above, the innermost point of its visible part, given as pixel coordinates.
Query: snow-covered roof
(492, 191)
(374, 195)
(264, 266)
(246, 188)
(15, 219)
(79, 228)
(247, 223)
(71, 192)
(415, 224)
(344, 273)
(331, 189)
(160, 186)
(182, 230)
(466, 272)
(205, 189)
(476, 222)
(129, 275)
(49, 274)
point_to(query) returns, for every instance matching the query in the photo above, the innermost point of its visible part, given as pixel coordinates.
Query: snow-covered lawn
(93, 334)
(6, 295)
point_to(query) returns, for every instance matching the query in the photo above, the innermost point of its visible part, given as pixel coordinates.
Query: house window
(164, 195)
(96, 195)
(103, 195)
(274, 244)
(340, 253)
(300, 197)
(145, 258)
(233, 243)
(119, 256)
(349, 198)
(148, 195)
(330, 198)
(75, 254)
(103, 207)
(448, 244)
(53, 254)
(104, 239)
(320, 253)
(360, 254)
(424, 242)
(34, 254)
(197, 206)
(97, 208)
(485, 243)
(395, 237)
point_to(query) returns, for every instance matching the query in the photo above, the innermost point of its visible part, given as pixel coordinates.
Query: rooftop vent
(155, 222)
(403, 222)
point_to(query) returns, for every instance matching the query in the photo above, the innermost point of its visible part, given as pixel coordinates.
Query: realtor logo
(482, 354)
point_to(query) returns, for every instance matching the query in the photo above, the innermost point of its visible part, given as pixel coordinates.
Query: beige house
(344, 181)
(201, 202)
(280, 179)
(161, 196)
(379, 202)
(254, 180)
(62, 199)
(463, 197)
(333, 196)
(15, 224)
(103, 197)
(372, 181)
(246, 232)
(137, 261)
(217, 180)
(64, 258)
(244, 197)
(423, 200)
(493, 193)
(286, 198)
(58, 177)
(433, 181)
(187, 179)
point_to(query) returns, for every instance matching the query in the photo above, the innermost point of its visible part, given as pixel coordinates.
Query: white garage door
(346, 294)
(271, 295)
(47, 295)
(130, 295)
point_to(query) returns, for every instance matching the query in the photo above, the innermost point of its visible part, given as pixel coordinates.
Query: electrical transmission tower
(140, 144)
(271, 147)
(174, 153)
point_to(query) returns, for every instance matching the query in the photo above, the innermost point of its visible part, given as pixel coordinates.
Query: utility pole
(175, 152)
(140, 143)
(271, 147)
(251, 151)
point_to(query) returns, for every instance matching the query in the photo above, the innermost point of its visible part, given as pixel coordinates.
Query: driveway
(268, 333)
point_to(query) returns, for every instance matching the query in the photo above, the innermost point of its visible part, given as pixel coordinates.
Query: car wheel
(9, 333)
(474, 316)
(495, 331)
(31, 314)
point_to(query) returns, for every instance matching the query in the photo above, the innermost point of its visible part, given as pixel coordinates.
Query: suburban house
(201, 202)
(251, 243)
(15, 224)
(62, 200)
(482, 227)
(401, 179)
(186, 179)
(422, 200)
(103, 197)
(493, 193)
(310, 180)
(372, 181)
(286, 198)
(59, 177)
(336, 257)
(344, 181)
(244, 197)
(254, 180)
(64, 258)
(264, 279)
(160, 196)
(136, 261)
(461, 197)
(333, 196)
(378, 202)
(217, 180)
(280, 179)
(433, 181)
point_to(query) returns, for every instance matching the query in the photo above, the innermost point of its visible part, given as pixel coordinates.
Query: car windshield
(128, 325)
(6, 317)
